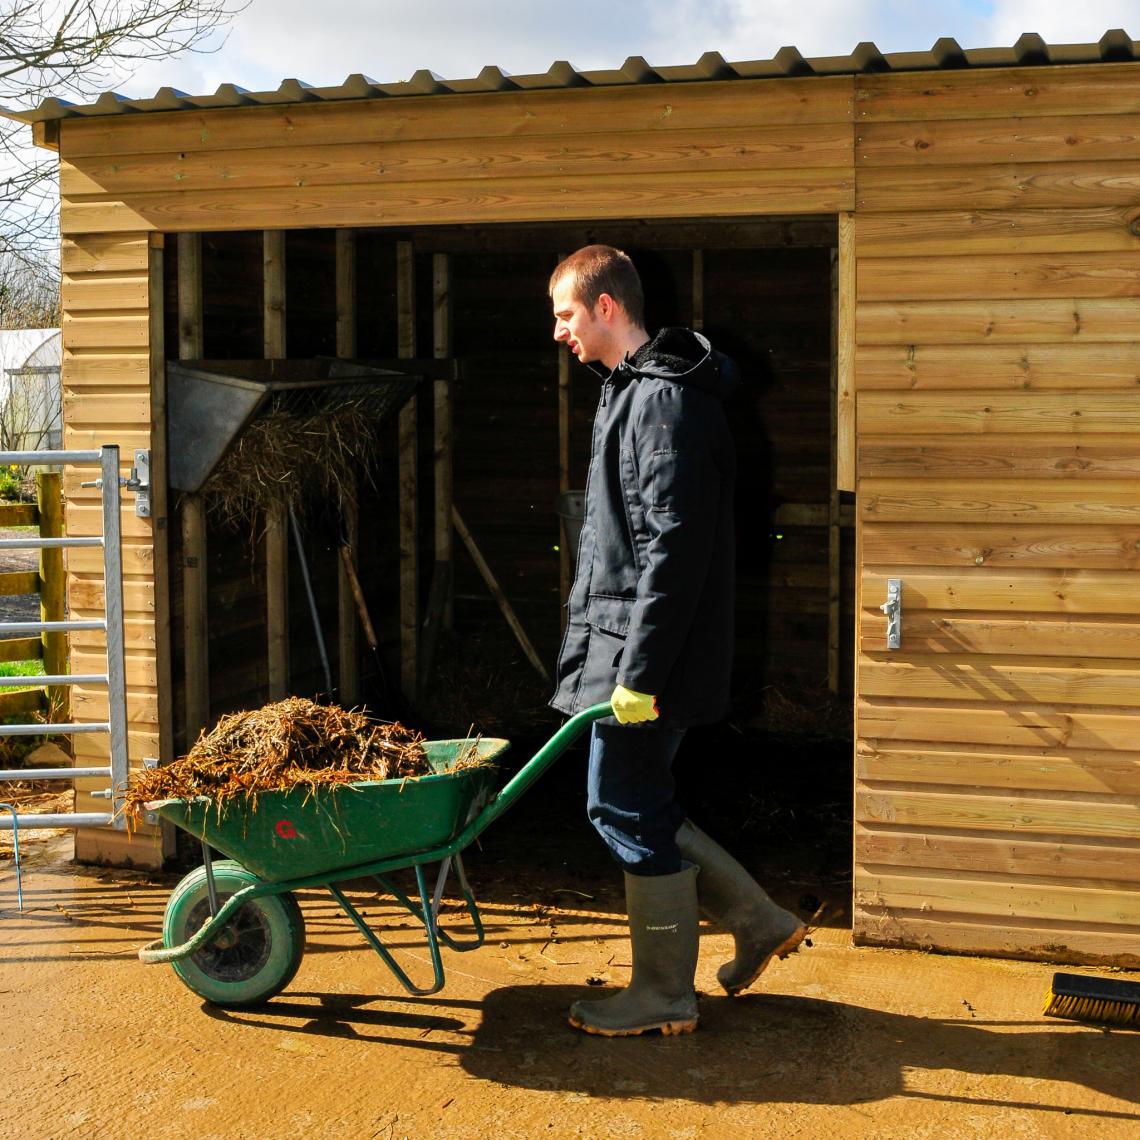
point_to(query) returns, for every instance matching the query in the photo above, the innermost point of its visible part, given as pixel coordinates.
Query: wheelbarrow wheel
(254, 957)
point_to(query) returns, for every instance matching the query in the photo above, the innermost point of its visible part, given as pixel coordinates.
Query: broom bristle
(1079, 998)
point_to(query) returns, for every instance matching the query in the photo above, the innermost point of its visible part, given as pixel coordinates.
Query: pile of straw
(289, 456)
(292, 743)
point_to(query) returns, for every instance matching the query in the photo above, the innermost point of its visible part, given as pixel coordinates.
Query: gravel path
(18, 607)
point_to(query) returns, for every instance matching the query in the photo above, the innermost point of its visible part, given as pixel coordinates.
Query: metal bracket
(150, 817)
(892, 607)
(139, 483)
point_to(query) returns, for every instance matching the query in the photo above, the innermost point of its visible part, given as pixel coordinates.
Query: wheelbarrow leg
(382, 950)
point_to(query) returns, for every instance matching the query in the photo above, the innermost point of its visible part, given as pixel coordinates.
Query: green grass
(27, 669)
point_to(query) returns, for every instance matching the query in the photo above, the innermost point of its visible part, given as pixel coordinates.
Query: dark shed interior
(762, 291)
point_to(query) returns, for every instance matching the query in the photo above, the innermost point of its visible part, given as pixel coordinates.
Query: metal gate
(114, 678)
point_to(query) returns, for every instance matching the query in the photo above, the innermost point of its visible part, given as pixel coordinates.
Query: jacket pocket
(609, 613)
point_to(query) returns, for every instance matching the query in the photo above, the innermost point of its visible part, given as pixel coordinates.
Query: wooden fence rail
(46, 514)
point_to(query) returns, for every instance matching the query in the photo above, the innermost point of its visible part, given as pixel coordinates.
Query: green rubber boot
(663, 930)
(733, 899)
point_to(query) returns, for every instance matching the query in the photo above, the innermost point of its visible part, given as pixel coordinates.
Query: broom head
(1079, 997)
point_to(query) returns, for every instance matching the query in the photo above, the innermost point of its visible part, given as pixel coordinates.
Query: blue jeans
(629, 795)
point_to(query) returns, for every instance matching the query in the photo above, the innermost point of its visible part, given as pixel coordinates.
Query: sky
(323, 41)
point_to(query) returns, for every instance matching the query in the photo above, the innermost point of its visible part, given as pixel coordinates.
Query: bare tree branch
(76, 49)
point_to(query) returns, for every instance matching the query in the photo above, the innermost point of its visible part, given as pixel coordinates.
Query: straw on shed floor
(288, 744)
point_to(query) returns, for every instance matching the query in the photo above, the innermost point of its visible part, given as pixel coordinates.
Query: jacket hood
(685, 357)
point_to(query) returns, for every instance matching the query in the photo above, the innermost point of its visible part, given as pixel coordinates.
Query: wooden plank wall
(107, 400)
(998, 752)
(703, 150)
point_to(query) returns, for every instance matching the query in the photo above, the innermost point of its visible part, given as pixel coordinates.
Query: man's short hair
(598, 269)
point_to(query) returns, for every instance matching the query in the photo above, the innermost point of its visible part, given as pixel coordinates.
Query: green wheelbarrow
(233, 931)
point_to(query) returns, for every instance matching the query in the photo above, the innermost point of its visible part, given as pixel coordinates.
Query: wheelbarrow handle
(536, 766)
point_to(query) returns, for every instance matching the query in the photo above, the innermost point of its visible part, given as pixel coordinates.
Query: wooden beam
(565, 472)
(348, 670)
(843, 321)
(408, 464)
(52, 590)
(834, 533)
(277, 597)
(346, 293)
(698, 322)
(273, 293)
(192, 513)
(444, 435)
(500, 598)
(160, 507)
(276, 515)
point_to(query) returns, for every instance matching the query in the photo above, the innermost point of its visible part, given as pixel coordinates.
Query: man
(650, 628)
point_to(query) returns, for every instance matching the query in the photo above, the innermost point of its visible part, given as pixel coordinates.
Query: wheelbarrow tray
(303, 832)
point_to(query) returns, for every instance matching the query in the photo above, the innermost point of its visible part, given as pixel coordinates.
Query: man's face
(581, 329)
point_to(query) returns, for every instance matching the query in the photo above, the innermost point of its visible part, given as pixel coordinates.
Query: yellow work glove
(630, 707)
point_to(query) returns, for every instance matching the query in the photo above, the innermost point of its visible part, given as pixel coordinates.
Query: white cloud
(1060, 21)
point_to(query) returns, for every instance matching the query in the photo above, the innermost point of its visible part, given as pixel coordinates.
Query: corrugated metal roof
(1029, 51)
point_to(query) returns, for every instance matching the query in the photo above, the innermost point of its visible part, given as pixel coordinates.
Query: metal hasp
(115, 725)
(892, 607)
(210, 402)
(139, 482)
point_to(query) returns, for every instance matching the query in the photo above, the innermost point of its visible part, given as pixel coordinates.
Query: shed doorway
(776, 776)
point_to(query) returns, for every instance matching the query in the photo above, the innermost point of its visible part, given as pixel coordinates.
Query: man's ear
(606, 307)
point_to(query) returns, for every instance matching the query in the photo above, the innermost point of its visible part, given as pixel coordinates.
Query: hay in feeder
(292, 743)
(289, 456)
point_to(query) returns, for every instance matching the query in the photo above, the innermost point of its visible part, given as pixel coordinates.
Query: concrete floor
(838, 1040)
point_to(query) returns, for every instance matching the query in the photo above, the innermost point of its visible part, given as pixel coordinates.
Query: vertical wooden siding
(107, 400)
(998, 752)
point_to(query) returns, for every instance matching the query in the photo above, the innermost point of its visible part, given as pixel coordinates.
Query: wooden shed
(935, 255)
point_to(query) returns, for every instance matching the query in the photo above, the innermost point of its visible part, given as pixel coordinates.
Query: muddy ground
(837, 1040)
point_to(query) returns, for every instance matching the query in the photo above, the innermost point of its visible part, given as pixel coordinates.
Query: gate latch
(139, 482)
(892, 607)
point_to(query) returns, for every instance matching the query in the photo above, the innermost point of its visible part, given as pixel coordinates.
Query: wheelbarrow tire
(257, 954)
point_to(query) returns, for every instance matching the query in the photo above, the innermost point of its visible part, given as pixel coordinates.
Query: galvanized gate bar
(42, 679)
(48, 626)
(55, 773)
(115, 677)
(48, 543)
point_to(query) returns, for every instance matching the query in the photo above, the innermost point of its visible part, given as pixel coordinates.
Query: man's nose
(561, 332)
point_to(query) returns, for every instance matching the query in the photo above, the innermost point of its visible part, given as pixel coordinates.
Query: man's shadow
(761, 1048)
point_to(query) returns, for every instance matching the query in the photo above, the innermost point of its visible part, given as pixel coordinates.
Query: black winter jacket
(652, 603)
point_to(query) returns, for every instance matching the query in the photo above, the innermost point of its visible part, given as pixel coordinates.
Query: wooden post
(159, 514)
(346, 294)
(500, 598)
(565, 435)
(698, 290)
(276, 514)
(444, 430)
(845, 411)
(195, 612)
(438, 611)
(408, 463)
(834, 534)
(347, 609)
(348, 672)
(53, 591)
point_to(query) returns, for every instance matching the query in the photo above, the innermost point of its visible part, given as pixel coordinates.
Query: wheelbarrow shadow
(780, 1049)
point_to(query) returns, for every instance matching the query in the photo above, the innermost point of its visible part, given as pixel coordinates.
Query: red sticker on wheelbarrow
(286, 830)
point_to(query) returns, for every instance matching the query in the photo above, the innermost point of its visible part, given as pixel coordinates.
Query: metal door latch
(139, 483)
(892, 607)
